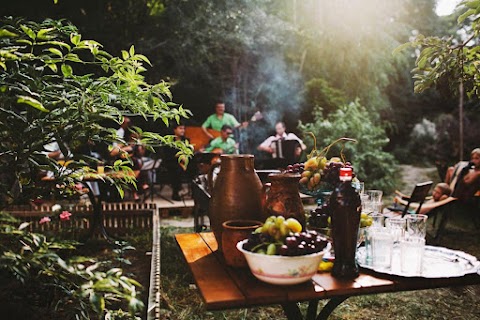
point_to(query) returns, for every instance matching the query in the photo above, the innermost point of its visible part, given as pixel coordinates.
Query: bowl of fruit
(281, 253)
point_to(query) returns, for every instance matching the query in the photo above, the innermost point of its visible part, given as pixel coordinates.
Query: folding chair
(418, 195)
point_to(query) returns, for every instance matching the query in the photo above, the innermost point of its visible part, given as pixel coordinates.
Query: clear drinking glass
(397, 226)
(411, 255)
(416, 225)
(382, 248)
(378, 220)
(375, 198)
(366, 203)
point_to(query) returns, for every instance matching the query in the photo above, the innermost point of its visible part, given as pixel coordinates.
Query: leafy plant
(452, 59)
(373, 165)
(58, 87)
(79, 286)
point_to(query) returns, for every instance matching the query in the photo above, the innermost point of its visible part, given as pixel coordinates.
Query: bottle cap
(345, 174)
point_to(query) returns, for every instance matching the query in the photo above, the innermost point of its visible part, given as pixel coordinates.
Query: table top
(223, 287)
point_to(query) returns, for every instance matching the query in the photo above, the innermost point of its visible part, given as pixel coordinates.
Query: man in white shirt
(269, 144)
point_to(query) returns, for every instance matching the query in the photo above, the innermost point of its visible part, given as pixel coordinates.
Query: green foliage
(232, 50)
(320, 95)
(83, 288)
(372, 165)
(58, 86)
(453, 59)
(350, 47)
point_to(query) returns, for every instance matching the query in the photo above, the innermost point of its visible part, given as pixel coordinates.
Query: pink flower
(44, 220)
(65, 215)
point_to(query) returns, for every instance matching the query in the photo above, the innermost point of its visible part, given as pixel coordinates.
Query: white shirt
(286, 136)
(121, 133)
(268, 143)
(53, 147)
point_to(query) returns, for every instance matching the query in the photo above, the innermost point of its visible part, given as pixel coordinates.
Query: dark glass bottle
(346, 207)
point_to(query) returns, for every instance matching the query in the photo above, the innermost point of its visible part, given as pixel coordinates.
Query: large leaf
(56, 52)
(43, 34)
(465, 15)
(32, 102)
(4, 33)
(75, 38)
(30, 33)
(67, 70)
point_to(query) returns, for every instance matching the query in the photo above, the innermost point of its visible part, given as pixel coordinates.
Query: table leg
(292, 311)
(330, 307)
(97, 217)
(312, 310)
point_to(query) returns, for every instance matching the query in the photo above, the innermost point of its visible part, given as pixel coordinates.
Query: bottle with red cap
(345, 205)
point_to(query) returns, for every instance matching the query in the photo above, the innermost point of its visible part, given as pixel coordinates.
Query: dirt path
(412, 175)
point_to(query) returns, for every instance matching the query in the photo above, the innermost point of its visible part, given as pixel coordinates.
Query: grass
(181, 299)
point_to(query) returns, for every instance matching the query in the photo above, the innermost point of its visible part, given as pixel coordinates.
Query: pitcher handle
(265, 188)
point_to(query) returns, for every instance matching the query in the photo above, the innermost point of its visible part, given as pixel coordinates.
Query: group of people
(221, 121)
(462, 181)
(225, 143)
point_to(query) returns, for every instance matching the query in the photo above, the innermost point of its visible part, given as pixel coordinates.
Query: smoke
(275, 89)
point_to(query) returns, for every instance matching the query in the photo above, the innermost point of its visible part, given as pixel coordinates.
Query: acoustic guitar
(199, 139)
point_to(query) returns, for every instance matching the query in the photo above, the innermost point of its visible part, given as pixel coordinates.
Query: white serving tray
(438, 262)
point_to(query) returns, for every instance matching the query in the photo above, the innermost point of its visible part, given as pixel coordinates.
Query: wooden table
(223, 287)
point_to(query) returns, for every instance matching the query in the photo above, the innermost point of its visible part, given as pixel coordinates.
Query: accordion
(285, 149)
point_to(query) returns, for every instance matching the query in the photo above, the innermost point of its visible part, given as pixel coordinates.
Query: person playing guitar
(223, 144)
(220, 118)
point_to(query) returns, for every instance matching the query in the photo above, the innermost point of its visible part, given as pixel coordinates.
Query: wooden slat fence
(119, 218)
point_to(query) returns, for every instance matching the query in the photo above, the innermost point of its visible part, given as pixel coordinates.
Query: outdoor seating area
(232, 159)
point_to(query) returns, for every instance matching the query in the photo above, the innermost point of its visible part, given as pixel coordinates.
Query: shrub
(58, 87)
(373, 165)
(77, 287)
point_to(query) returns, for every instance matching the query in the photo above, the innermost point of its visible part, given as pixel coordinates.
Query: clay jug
(236, 193)
(233, 232)
(282, 197)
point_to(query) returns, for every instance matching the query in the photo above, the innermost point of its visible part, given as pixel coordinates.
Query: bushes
(75, 287)
(57, 87)
(373, 166)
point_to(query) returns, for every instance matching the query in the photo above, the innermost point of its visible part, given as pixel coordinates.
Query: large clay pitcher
(283, 197)
(236, 194)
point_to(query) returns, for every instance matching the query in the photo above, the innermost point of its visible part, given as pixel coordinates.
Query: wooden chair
(418, 195)
(442, 214)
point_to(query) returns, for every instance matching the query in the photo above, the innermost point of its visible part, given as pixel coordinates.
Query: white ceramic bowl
(283, 270)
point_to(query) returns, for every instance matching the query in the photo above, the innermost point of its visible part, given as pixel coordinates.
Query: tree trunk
(460, 119)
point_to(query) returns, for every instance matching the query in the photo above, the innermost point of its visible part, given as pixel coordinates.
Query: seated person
(223, 144)
(52, 151)
(176, 169)
(440, 196)
(134, 152)
(464, 178)
(280, 133)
